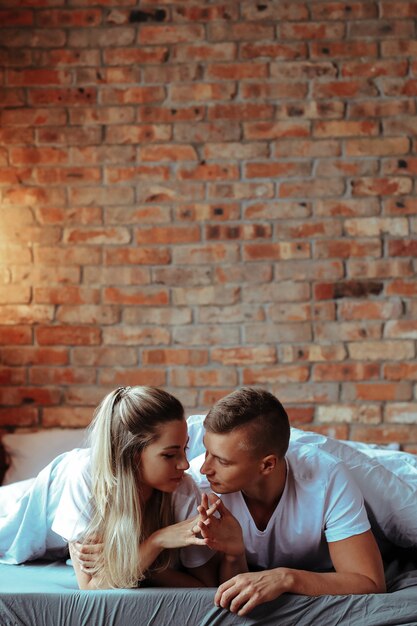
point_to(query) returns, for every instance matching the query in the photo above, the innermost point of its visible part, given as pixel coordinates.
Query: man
(292, 513)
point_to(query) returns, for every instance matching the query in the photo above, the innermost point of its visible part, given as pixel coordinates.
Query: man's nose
(205, 468)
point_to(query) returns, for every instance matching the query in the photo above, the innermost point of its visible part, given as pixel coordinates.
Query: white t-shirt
(321, 503)
(74, 509)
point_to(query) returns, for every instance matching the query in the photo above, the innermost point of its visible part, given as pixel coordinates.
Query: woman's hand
(186, 533)
(88, 555)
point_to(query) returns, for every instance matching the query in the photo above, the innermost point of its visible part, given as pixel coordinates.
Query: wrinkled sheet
(46, 594)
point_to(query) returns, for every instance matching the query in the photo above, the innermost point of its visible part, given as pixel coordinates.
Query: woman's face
(164, 461)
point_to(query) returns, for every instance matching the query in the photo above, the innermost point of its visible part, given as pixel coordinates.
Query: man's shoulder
(308, 462)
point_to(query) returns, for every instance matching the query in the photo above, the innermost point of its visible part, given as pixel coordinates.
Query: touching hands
(188, 532)
(223, 532)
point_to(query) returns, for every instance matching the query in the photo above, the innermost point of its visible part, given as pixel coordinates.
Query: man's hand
(222, 533)
(244, 592)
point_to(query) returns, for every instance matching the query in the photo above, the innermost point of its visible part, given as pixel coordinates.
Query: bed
(45, 593)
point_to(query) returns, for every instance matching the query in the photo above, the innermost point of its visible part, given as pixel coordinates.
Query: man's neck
(263, 497)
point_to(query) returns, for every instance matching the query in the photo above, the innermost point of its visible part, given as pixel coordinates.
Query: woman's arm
(86, 556)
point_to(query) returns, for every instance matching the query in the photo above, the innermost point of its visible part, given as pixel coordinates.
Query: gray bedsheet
(46, 594)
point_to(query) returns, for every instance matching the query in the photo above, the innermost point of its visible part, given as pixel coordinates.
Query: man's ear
(268, 464)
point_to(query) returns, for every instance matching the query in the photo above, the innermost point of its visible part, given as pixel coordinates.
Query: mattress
(45, 593)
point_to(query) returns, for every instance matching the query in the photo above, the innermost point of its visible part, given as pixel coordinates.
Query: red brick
(399, 247)
(174, 356)
(69, 97)
(402, 288)
(132, 95)
(353, 310)
(102, 356)
(68, 417)
(401, 329)
(204, 52)
(29, 395)
(272, 50)
(168, 152)
(69, 18)
(35, 356)
(346, 371)
(19, 416)
(289, 354)
(138, 134)
(277, 170)
(236, 71)
(133, 256)
(186, 377)
(66, 295)
(61, 376)
(380, 268)
(209, 171)
(373, 69)
(18, 18)
(164, 115)
(273, 91)
(12, 376)
(283, 250)
(205, 295)
(68, 256)
(307, 148)
(32, 117)
(170, 34)
(148, 376)
(340, 11)
(375, 108)
(242, 232)
(400, 371)
(87, 314)
(385, 433)
(347, 207)
(379, 28)
(143, 172)
(316, 188)
(202, 92)
(132, 295)
(300, 415)
(278, 373)
(376, 146)
(18, 335)
(131, 335)
(232, 31)
(309, 30)
(67, 335)
(390, 186)
(275, 130)
(33, 38)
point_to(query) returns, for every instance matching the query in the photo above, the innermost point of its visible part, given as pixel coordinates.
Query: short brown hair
(258, 409)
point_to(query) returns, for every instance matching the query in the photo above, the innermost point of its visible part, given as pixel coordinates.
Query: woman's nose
(183, 464)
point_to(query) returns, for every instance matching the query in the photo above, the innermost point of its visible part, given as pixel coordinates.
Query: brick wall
(199, 195)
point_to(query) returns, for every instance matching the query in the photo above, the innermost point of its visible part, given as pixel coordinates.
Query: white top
(74, 508)
(321, 503)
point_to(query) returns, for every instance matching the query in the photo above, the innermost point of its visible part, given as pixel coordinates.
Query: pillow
(28, 453)
(195, 433)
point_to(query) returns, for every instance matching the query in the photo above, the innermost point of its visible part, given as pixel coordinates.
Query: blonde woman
(128, 492)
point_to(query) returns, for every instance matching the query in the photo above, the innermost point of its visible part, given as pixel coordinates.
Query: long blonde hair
(126, 421)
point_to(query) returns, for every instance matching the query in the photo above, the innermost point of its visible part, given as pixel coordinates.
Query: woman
(129, 492)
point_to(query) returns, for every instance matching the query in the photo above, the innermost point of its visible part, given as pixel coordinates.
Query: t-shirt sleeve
(74, 510)
(186, 500)
(345, 514)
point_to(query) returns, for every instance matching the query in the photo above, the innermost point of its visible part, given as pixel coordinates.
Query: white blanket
(27, 510)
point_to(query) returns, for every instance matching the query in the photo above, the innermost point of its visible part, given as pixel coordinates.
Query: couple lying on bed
(289, 519)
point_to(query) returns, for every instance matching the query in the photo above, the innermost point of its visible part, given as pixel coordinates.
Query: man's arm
(223, 534)
(358, 570)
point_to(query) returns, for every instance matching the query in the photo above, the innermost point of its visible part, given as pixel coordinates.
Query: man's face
(228, 465)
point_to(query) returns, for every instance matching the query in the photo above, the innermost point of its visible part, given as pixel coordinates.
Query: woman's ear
(268, 464)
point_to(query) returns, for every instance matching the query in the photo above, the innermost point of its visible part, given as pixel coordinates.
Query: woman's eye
(168, 456)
